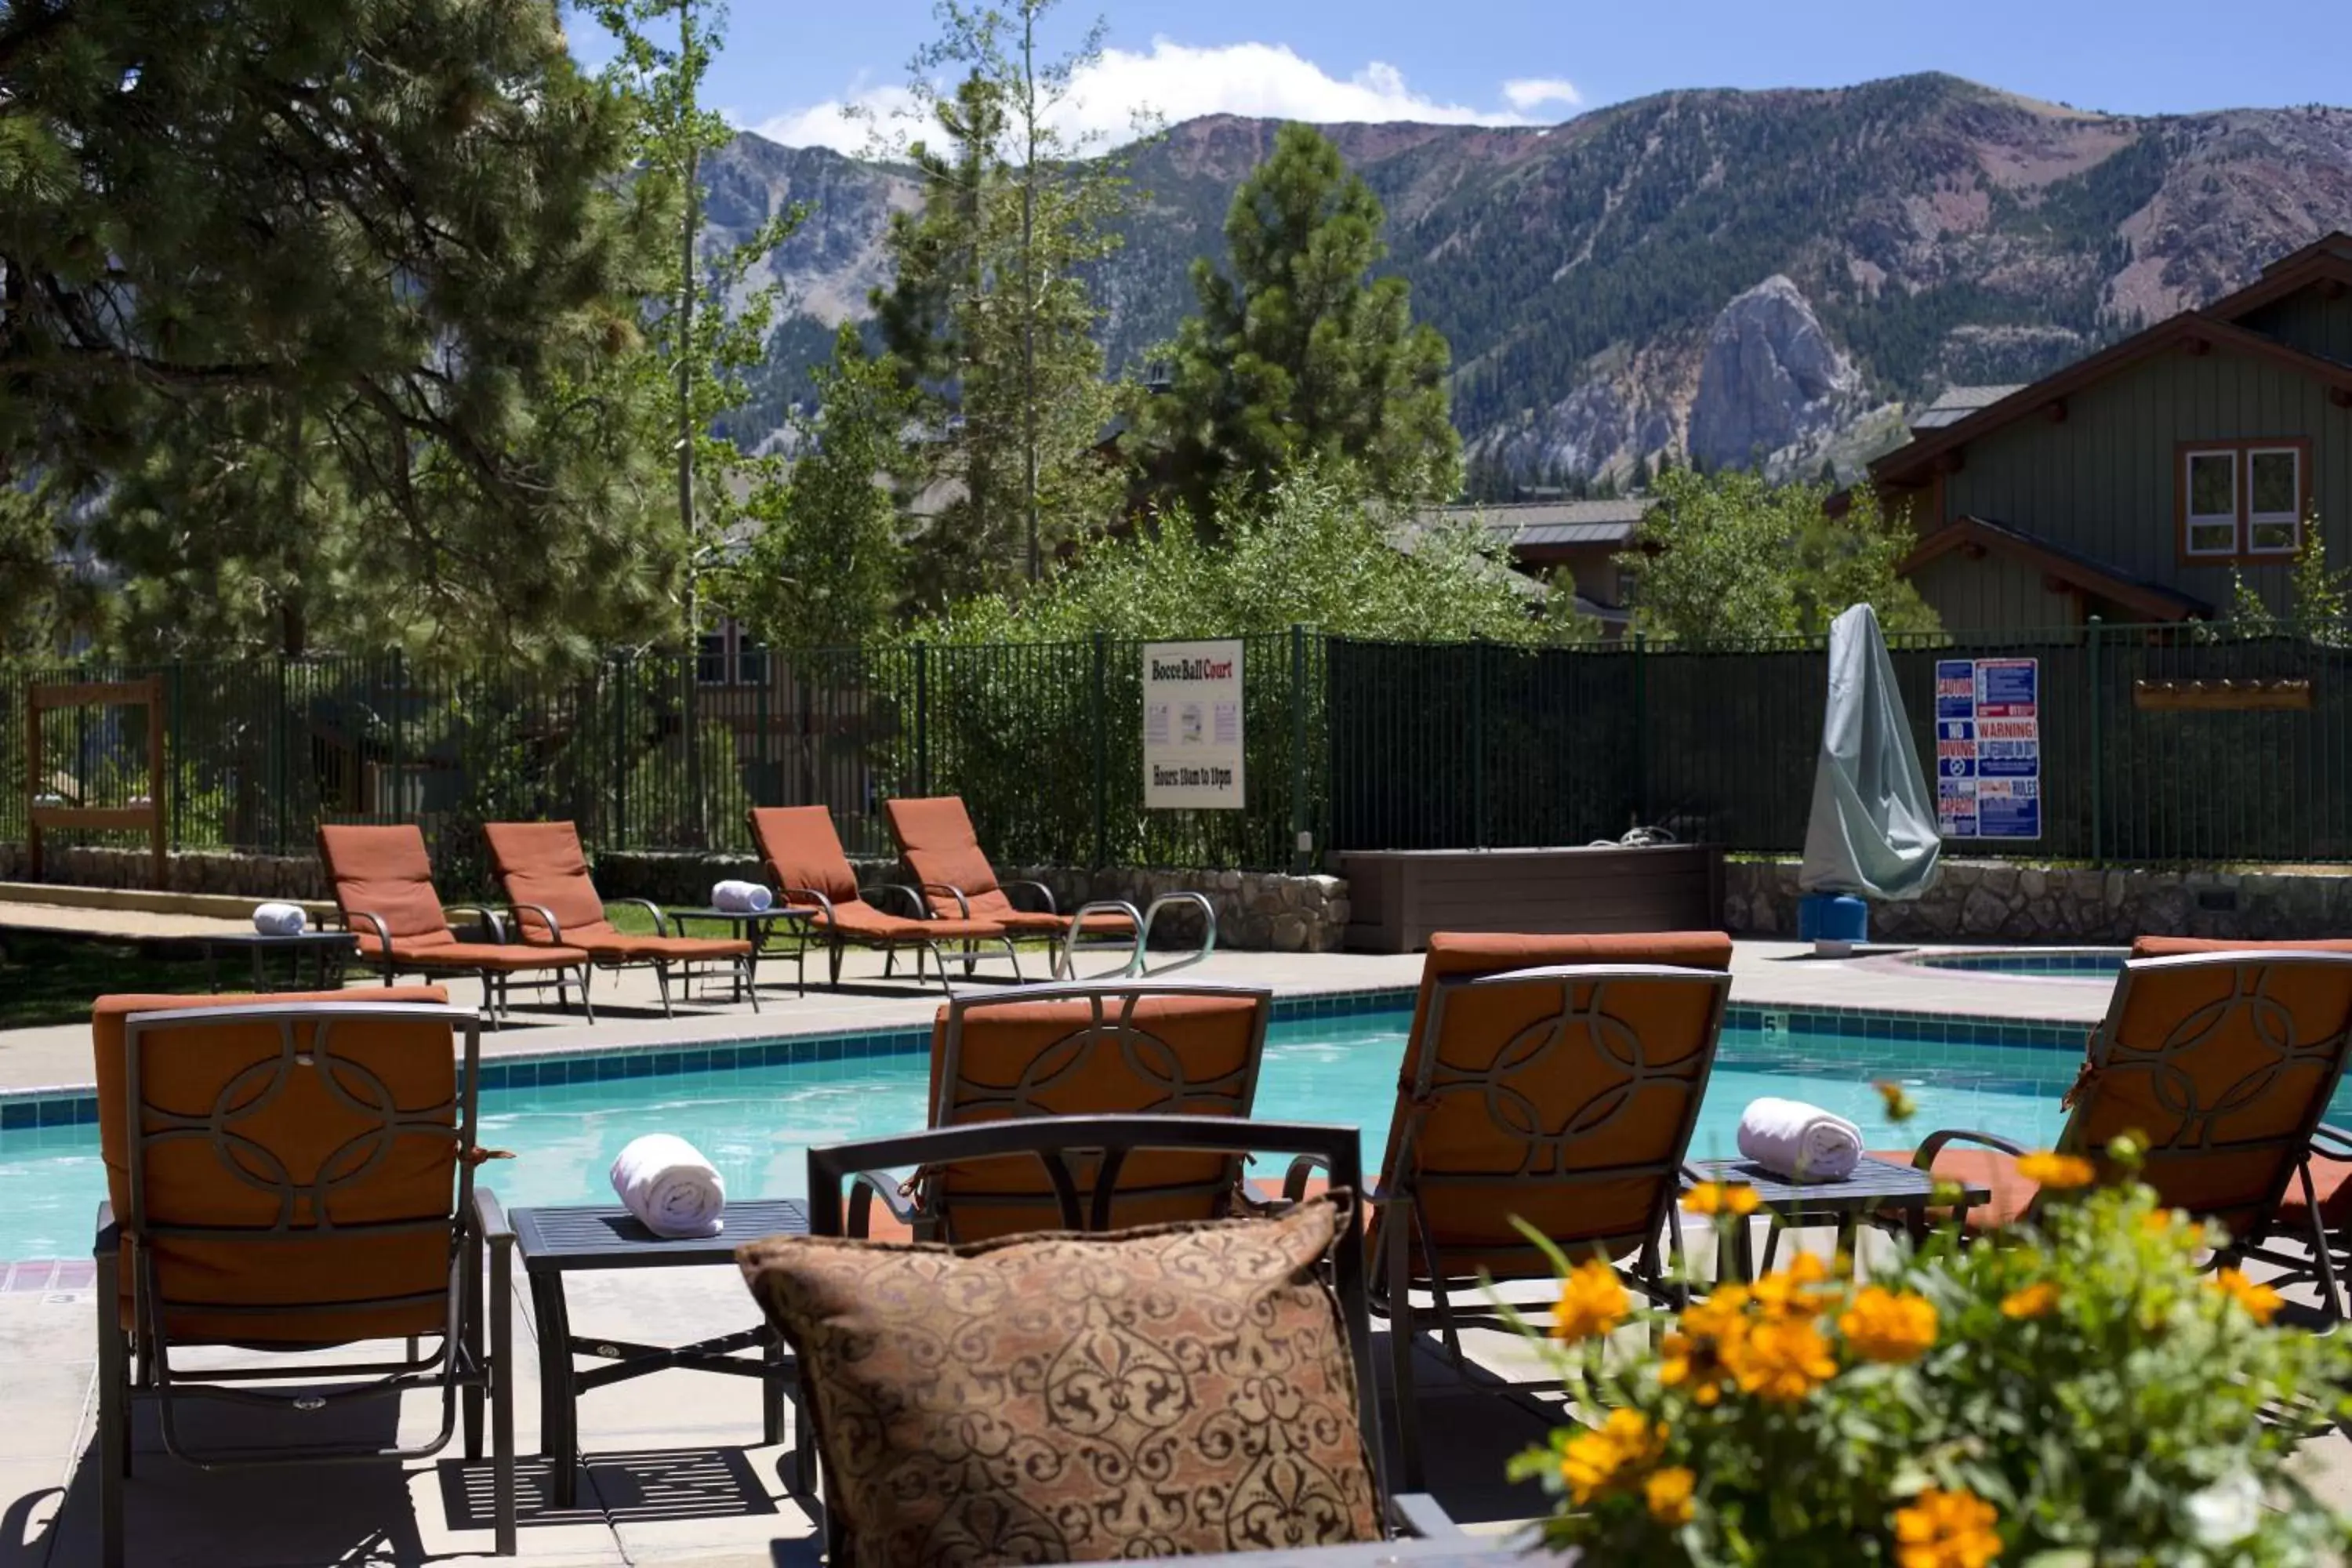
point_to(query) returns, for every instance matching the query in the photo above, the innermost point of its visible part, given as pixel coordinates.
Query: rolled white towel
(279, 920)
(1802, 1143)
(665, 1181)
(740, 897)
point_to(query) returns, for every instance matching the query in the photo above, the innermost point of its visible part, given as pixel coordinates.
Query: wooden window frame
(2241, 452)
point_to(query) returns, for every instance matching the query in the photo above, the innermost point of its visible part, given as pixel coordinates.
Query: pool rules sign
(1989, 747)
(1192, 725)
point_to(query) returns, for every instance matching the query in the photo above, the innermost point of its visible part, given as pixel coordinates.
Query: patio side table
(754, 926)
(327, 950)
(553, 1242)
(1875, 1187)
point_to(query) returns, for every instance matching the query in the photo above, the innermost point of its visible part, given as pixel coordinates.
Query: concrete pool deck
(675, 1475)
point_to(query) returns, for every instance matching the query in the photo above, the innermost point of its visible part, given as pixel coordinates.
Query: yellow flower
(1669, 1494)
(1783, 1360)
(1900, 1106)
(2058, 1173)
(1721, 1198)
(2036, 1301)
(1789, 1292)
(1946, 1529)
(2259, 1300)
(1692, 1353)
(1889, 1326)
(1618, 1452)
(1591, 1302)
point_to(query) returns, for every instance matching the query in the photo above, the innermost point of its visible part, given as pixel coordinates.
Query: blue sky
(790, 64)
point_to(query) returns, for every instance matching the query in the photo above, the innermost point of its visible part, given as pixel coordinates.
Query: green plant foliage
(2084, 1390)
(1300, 356)
(2319, 598)
(1727, 558)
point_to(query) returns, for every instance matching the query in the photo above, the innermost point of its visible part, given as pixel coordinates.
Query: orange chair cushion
(802, 850)
(543, 863)
(385, 871)
(508, 958)
(857, 918)
(2331, 1183)
(937, 841)
(619, 947)
(304, 1128)
(1975, 1166)
(1170, 1055)
(2183, 946)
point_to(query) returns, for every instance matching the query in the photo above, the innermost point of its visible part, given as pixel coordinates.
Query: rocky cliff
(1724, 270)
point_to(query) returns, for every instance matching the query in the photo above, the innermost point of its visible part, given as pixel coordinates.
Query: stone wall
(1998, 900)
(186, 871)
(1257, 911)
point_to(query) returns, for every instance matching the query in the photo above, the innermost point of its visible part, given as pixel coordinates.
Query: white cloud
(1178, 82)
(1529, 92)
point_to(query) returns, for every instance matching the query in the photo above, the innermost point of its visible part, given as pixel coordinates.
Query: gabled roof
(1955, 403)
(1908, 464)
(2325, 259)
(1516, 524)
(2152, 601)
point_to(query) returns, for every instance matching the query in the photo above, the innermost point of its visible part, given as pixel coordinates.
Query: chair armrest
(1418, 1515)
(914, 899)
(383, 932)
(1043, 892)
(864, 1188)
(2337, 1141)
(1933, 1144)
(489, 916)
(1294, 1180)
(546, 916)
(822, 904)
(661, 922)
(490, 1219)
(963, 905)
(109, 1237)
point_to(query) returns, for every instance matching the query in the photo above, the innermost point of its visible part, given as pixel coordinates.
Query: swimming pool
(2040, 963)
(755, 1117)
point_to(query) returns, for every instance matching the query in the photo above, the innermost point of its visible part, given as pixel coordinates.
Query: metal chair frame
(137, 1364)
(660, 966)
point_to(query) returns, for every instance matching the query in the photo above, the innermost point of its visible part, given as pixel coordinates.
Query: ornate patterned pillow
(1061, 1397)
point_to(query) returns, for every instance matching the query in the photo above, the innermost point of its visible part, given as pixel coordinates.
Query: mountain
(1758, 276)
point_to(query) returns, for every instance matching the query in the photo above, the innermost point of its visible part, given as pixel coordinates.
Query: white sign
(1192, 725)
(1989, 747)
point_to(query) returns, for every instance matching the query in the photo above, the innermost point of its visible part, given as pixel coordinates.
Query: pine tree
(991, 311)
(1298, 356)
(327, 247)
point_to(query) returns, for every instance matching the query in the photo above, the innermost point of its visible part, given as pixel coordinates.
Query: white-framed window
(2273, 500)
(730, 656)
(750, 659)
(2211, 476)
(2244, 500)
(710, 659)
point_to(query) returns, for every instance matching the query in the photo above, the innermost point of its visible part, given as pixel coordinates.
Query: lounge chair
(1562, 1095)
(806, 863)
(2223, 1062)
(383, 887)
(1093, 1048)
(553, 903)
(1084, 1161)
(293, 1174)
(942, 853)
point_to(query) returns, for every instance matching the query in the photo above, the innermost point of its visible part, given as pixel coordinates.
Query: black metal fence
(2159, 744)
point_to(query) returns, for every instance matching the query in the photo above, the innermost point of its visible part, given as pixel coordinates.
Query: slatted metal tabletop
(554, 1242)
(1876, 1186)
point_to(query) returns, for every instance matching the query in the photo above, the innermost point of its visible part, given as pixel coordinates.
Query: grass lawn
(47, 979)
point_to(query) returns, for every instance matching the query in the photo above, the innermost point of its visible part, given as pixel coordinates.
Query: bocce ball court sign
(1192, 725)
(1989, 747)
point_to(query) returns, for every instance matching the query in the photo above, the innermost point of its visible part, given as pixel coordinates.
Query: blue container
(1835, 923)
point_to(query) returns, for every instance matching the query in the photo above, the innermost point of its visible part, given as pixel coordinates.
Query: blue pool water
(2056, 964)
(756, 1122)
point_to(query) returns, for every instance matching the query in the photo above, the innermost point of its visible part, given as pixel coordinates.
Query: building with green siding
(2132, 483)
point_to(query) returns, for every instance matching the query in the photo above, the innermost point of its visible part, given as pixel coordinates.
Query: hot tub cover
(1872, 831)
